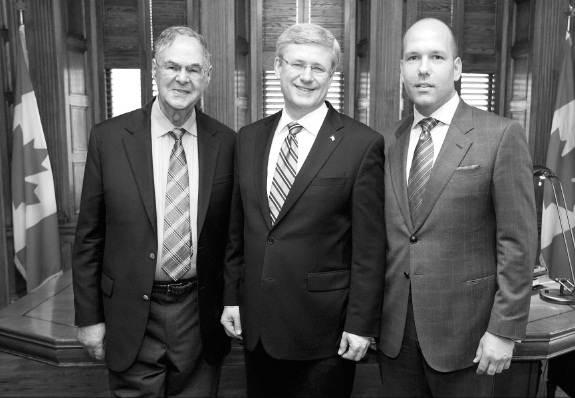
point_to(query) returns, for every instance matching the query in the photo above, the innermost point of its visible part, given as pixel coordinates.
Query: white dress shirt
(162, 144)
(311, 124)
(444, 115)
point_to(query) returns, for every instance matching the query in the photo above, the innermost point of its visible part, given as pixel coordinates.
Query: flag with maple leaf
(35, 220)
(561, 160)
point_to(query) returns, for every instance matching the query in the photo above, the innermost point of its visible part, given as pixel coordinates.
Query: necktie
(177, 245)
(420, 167)
(285, 171)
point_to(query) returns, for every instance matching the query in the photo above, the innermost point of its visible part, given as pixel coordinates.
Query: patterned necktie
(420, 167)
(177, 246)
(286, 169)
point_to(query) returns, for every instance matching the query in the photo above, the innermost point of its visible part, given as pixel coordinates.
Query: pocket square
(473, 166)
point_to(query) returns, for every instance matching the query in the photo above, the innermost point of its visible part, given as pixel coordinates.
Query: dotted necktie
(286, 169)
(177, 245)
(420, 167)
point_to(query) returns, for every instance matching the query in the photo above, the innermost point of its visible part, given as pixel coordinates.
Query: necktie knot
(177, 133)
(294, 128)
(428, 124)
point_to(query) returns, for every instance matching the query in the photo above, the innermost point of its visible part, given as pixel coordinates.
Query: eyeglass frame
(188, 73)
(322, 73)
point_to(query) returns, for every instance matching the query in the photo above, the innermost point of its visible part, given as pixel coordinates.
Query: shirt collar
(163, 125)
(443, 114)
(311, 122)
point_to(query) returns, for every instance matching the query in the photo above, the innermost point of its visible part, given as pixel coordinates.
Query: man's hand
(231, 321)
(352, 346)
(493, 354)
(93, 339)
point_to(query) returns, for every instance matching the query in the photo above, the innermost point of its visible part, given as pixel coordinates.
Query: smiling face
(303, 91)
(177, 94)
(428, 68)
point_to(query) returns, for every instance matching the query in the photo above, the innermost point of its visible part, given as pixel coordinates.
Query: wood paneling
(242, 64)
(479, 52)
(385, 53)
(121, 46)
(219, 98)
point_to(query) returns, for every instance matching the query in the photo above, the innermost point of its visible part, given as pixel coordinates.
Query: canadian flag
(561, 160)
(35, 219)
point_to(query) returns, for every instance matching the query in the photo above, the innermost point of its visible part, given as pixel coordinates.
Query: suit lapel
(264, 138)
(208, 149)
(397, 154)
(321, 150)
(453, 150)
(138, 147)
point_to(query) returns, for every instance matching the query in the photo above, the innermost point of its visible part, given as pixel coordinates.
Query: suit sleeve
(235, 246)
(89, 242)
(368, 244)
(516, 234)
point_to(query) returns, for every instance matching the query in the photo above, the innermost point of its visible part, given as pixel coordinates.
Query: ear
(277, 66)
(457, 69)
(401, 69)
(154, 68)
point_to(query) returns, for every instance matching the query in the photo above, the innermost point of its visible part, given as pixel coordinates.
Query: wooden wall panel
(277, 16)
(329, 14)
(242, 64)
(219, 98)
(121, 45)
(440, 9)
(479, 44)
(386, 40)
(167, 13)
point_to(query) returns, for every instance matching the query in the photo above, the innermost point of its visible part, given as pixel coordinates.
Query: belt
(180, 288)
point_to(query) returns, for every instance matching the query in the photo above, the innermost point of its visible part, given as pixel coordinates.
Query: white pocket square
(473, 166)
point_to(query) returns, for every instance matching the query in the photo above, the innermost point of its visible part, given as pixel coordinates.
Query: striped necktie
(420, 167)
(286, 169)
(177, 245)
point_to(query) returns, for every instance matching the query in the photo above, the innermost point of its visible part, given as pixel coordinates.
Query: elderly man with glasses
(151, 234)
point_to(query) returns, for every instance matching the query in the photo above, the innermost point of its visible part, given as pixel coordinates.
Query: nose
(423, 67)
(182, 76)
(306, 74)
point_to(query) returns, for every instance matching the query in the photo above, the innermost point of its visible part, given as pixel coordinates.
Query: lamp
(566, 292)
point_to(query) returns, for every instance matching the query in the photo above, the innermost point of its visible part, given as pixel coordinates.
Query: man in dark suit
(461, 232)
(151, 234)
(304, 266)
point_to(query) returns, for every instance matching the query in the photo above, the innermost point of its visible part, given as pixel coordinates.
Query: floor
(21, 377)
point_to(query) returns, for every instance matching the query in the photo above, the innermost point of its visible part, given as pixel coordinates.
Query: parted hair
(306, 33)
(167, 37)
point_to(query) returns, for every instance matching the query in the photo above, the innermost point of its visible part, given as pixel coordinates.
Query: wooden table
(550, 333)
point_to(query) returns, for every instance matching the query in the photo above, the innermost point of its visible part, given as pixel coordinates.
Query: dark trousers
(409, 375)
(269, 377)
(169, 363)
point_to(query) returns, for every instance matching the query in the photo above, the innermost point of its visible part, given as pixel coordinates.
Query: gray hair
(168, 36)
(309, 33)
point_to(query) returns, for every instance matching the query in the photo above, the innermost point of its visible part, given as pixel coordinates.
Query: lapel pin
(332, 138)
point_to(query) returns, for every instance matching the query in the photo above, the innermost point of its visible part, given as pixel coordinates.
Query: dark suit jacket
(319, 269)
(116, 238)
(470, 259)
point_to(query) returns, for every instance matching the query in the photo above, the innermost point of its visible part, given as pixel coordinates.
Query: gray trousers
(169, 363)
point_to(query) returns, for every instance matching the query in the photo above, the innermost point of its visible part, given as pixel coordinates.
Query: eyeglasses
(317, 70)
(193, 71)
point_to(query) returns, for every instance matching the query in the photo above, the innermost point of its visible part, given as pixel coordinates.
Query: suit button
(271, 240)
(413, 239)
(152, 256)
(145, 297)
(406, 274)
